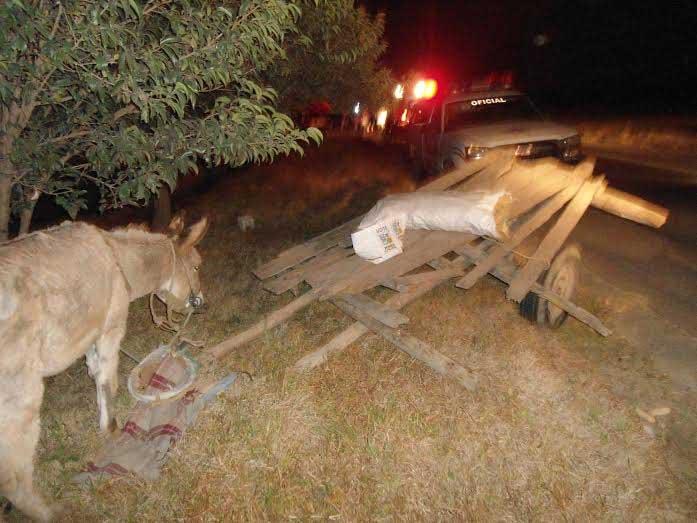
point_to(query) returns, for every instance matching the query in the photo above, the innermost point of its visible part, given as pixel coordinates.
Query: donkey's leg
(103, 362)
(92, 361)
(103, 358)
(18, 439)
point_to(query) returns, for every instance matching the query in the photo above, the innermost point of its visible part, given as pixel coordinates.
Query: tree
(128, 95)
(333, 56)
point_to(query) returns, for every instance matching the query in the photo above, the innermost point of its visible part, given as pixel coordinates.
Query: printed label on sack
(381, 241)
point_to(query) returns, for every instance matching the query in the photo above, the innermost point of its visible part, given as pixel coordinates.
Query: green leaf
(314, 134)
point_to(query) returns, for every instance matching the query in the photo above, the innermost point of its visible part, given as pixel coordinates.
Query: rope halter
(174, 304)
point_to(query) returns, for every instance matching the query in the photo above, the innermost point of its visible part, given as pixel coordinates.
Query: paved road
(648, 276)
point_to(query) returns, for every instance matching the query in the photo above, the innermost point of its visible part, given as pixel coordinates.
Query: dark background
(600, 55)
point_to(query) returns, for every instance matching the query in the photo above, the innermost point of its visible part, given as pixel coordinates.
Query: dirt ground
(552, 434)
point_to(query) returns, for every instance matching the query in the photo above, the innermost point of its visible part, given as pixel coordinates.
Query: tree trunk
(27, 213)
(6, 172)
(162, 209)
(5, 202)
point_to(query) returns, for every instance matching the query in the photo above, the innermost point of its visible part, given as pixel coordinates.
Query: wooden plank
(486, 178)
(521, 177)
(269, 321)
(462, 172)
(396, 302)
(505, 271)
(439, 263)
(340, 235)
(290, 279)
(538, 219)
(353, 265)
(374, 309)
(403, 283)
(298, 254)
(549, 183)
(444, 271)
(359, 275)
(544, 188)
(413, 346)
(393, 285)
(552, 242)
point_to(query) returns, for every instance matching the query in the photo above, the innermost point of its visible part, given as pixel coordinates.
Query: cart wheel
(561, 278)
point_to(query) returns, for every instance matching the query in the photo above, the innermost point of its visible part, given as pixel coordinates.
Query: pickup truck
(463, 126)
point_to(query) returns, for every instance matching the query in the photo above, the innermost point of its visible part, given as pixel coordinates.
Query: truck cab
(464, 126)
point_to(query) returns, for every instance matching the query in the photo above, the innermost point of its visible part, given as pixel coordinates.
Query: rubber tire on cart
(561, 277)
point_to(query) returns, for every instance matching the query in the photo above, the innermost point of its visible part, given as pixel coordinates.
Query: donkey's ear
(195, 234)
(176, 226)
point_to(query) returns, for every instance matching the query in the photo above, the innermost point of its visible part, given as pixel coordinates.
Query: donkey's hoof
(113, 426)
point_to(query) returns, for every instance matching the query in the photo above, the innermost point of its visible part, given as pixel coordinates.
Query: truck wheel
(561, 277)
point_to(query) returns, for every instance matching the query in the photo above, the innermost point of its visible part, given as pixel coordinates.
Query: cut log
(290, 279)
(630, 207)
(555, 238)
(269, 321)
(497, 253)
(374, 309)
(413, 346)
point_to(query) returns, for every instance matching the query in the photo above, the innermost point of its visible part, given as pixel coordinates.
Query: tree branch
(124, 111)
(66, 137)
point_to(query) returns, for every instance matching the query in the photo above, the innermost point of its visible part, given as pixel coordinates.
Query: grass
(374, 435)
(660, 135)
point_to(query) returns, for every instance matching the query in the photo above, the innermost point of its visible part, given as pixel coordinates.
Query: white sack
(381, 241)
(471, 212)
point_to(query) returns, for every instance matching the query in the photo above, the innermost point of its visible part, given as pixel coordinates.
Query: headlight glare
(476, 153)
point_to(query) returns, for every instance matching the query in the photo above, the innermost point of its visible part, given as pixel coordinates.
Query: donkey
(64, 293)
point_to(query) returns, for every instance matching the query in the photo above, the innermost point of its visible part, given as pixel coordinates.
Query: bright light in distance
(403, 118)
(381, 118)
(425, 89)
(357, 108)
(399, 92)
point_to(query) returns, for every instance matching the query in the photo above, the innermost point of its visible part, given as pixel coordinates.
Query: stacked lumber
(541, 193)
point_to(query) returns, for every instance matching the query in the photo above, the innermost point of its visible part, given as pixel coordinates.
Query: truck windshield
(488, 110)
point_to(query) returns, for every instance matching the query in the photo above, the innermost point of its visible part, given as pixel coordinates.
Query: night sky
(604, 54)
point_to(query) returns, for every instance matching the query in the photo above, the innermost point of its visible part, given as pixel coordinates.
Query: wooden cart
(544, 195)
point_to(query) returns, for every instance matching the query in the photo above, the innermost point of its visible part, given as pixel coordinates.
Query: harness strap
(169, 324)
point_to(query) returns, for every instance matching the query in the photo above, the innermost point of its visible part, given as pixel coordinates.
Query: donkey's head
(181, 290)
